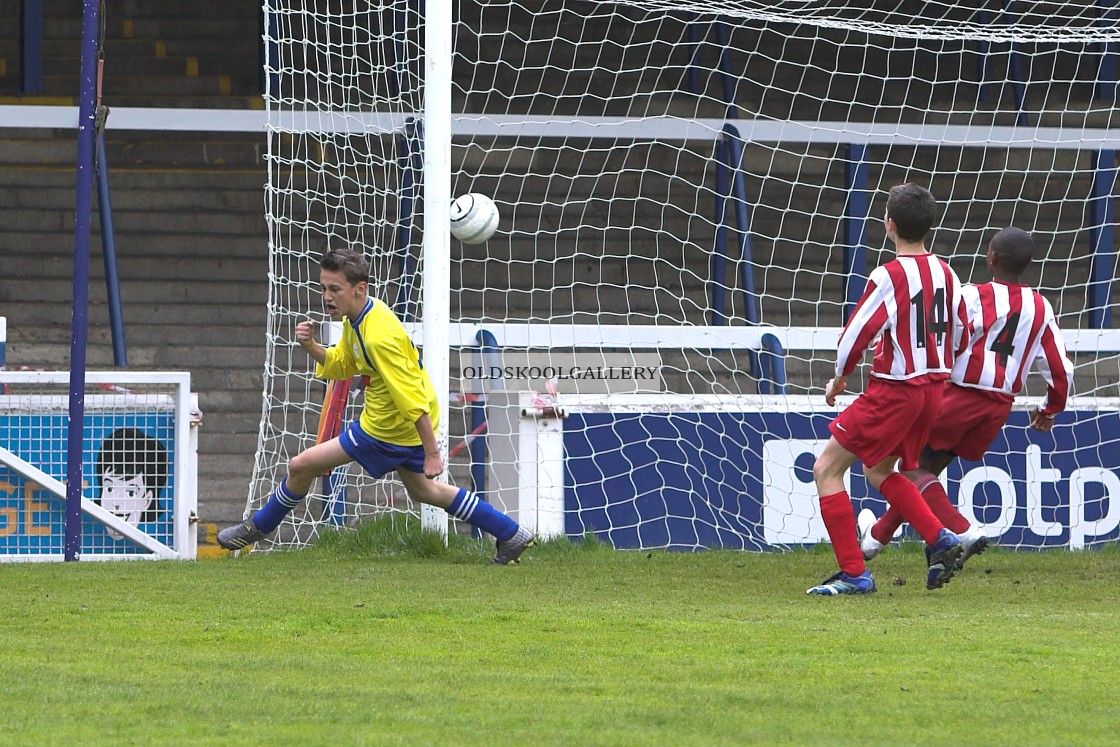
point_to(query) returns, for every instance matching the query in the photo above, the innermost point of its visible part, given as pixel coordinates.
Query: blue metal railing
(857, 208)
(772, 366)
(1101, 210)
(1108, 15)
(731, 203)
(1101, 238)
(109, 251)
(410, 159)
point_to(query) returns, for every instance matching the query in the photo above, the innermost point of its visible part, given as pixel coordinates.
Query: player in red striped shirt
(1011, 327)
(913, 306)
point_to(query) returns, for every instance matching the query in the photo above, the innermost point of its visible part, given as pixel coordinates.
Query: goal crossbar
(654, 128)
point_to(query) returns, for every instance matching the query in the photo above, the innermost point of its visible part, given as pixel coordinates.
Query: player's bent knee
(300, 467)
(824, 468)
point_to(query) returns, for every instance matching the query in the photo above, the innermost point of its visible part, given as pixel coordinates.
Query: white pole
(437, 236)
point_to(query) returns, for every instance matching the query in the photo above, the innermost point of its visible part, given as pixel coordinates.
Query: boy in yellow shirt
(396, 430)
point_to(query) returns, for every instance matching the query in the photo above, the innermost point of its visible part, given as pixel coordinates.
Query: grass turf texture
(382, 636)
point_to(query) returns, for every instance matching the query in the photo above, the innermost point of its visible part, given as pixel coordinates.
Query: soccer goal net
(691, 199)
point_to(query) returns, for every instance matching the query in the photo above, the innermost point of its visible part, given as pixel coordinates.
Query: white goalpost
(690, 202)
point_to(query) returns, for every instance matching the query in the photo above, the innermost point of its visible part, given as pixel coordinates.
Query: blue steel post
(80, 309)
(742, 221)
(1108, 15)
(773, 365)
(1101, 217)
(1015, 69)
(1014, 63)
(31, 47)
(109, 255)
(694, 45)
(718, 269)
(738, 197)
(982, 50)
(411, 159)
(856, 210)
(723, 35)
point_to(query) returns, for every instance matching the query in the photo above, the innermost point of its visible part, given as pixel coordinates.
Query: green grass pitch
(385, 637)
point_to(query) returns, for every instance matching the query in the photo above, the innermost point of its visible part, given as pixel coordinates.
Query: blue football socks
(280, 503)
(477, 512)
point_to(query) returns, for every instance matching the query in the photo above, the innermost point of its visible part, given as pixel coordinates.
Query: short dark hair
(132, 452)
(1014, 249)
(913, 210)
(350, 263)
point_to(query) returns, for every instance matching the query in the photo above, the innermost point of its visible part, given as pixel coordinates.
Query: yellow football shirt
(399, 391)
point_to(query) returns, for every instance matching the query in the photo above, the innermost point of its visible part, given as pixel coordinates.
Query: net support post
(410, 155)
(109, 254)
(1101, 238)
(718, 267)
(437, 234)
(1108, 15)
(856, 210)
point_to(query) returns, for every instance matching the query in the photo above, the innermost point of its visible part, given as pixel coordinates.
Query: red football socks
(938, 501)
(887, 525)
(904, 496)
(840, 521)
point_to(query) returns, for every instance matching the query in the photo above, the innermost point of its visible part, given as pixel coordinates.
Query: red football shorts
(969, 420)
(889, 419)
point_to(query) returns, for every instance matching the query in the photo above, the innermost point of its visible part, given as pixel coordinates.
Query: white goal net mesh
(689, 202)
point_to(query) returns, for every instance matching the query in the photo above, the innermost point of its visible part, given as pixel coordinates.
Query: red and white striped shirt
(913, 305)
(1011, 327)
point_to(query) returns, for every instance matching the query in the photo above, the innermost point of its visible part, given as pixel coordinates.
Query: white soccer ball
(474, 218)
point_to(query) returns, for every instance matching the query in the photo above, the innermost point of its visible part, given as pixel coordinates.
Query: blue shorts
(379, 458)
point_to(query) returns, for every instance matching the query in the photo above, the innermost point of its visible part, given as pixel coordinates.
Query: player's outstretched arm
(305, 336)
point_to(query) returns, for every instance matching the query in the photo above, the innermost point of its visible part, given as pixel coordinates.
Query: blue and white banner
(686, 480)
(128, 469)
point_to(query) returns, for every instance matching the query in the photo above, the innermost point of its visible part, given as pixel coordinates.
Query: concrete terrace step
(161, 357)
(138, 269)
(130, 86)
(123, 153)
(179, 244)
(136, 8)
(179, 291)
(162, 183)
(161, 323)
(117, 25)
(128, 221)
(124, 196)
